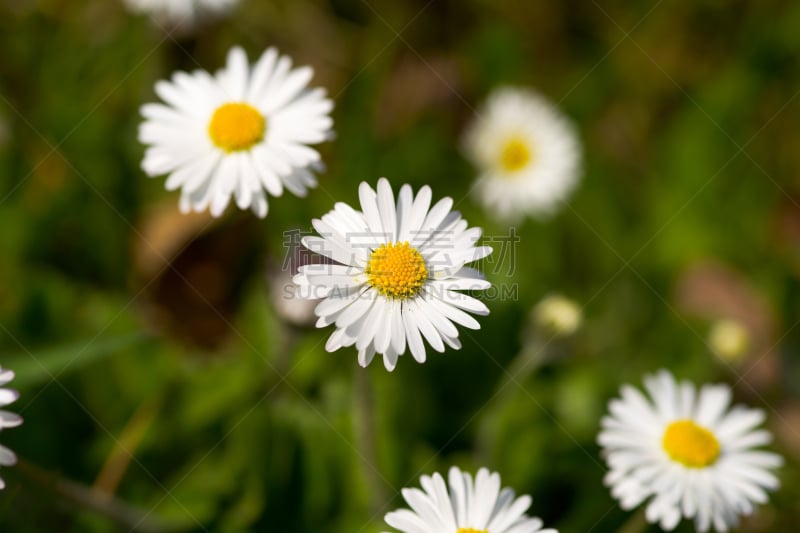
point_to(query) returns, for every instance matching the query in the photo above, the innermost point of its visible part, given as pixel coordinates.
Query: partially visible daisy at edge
(687, 453)
(240, 134)
(7, 419)
(464, 505)
(180, 12)
(400, 265)
(526, 152)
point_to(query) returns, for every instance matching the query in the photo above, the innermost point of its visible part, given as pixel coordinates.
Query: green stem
(530, 358)
(637, 523)
(365, 437)
(103, 503)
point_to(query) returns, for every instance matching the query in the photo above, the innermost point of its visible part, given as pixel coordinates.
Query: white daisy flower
(465, 507)
(7, 418)
(242, 133)
(399, 267)
(527, 154)
(180, 12)
(687, 453)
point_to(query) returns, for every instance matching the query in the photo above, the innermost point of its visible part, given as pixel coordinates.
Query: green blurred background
(164, 390)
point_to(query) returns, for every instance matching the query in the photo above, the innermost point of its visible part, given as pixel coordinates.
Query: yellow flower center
(470, 530)
(397, 270)
(689, 444)
(516, 155)
(236, 126)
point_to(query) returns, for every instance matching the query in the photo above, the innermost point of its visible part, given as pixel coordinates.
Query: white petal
(465, 302)
(425, 326)
(390, 358)
(406, 521)
(458, 284)
(415, 344)
(405, 202)
(398, 328)
(419, 211)
(7, 457)
(456, 315)
(9, 419)
(365, 356)
(330, 249)
(294, 83)
(8, 396)
(386, 209)
(6, 376)
(269, 178)
(234, 78)
(357, 309)
(369, 207)
(370, 327)
(430, 226)
(262, 71)
(459, 495)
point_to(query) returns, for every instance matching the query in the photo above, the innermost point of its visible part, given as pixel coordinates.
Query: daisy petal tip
(389, 364)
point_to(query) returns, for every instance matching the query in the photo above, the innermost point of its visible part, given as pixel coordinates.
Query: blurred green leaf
(35, 368)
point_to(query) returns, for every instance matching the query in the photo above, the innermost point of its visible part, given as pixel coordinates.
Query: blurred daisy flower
(527, 154)
(240, 134)
(7, 418)
(467, 506)
(687, 452)
(399, 267)
(180, 12)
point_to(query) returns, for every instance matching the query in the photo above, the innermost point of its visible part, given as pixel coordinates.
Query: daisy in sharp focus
(7, 418)
(400, 266)
(686, 452)
(466, 506)
(240, 134)
(180, 12)
(527, 155)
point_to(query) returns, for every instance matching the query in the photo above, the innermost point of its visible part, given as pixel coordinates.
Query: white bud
(729, 339)
(288, 304)
(558, 315)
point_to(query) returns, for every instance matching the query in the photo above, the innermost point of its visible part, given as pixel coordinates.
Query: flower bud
(729, 339)
(558, 315)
